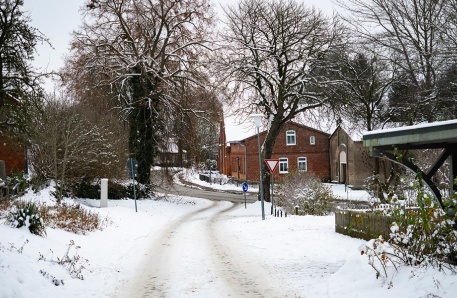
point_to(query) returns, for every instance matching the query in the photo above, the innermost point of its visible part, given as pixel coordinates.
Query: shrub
(27, 214)
(69, 217)
(17, 182)
(425, 235)
(306, 191)
(72, 218)
(116, 191)
(419, 237)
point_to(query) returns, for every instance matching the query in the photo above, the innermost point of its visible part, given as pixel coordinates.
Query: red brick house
(12, 152)
(298, 147)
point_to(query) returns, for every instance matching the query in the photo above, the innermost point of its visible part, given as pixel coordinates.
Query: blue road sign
(245, 187)
(132, 166)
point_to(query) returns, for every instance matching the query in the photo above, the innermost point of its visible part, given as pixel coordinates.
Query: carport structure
(436, 135)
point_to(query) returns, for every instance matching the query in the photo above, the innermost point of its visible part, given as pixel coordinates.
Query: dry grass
(73, 218)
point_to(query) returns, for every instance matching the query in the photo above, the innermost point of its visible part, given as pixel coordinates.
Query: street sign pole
(133, 180)
(245, 187)
(132, 165)
(272, 164)
(272, 190)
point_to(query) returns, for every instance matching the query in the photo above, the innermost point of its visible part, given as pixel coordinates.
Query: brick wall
(12, 152)
(317, 155)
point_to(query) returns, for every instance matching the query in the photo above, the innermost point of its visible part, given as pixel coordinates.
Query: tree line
(143, 73)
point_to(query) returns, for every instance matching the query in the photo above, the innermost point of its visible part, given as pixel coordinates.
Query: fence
(362, 224)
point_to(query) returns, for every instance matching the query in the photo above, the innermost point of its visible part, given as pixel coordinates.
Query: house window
(283, 165)
(312, 140)
(290, 137)
(302, 164)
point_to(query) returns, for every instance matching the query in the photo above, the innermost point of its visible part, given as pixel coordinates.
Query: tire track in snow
(244, 276)
(193, 257)
(154, 278)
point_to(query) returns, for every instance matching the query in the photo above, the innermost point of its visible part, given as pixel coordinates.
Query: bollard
(285, 213)
(296, 210)
(104, 193)
(281, 213)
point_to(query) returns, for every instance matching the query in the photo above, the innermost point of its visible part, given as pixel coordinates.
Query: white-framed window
(302, 164)
(312, 140)
(290, 137)
(283, 165)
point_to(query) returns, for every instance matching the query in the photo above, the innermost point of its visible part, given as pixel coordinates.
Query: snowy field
(295, 256)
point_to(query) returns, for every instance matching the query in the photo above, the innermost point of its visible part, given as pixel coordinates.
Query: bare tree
(271, 58)
(409, 35)
(141, 49)
(67, 147)
(196, 127)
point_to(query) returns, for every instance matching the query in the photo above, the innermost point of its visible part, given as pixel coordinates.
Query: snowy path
(193, 258)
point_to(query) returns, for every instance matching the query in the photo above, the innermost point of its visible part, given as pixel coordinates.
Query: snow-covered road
(205, 253)
(194, 257)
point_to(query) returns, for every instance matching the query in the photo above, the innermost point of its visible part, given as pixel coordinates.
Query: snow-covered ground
(299, 256)
(339, 190)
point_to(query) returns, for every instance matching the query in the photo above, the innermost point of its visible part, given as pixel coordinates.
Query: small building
(170, 154)
(350, 161)
(298, 148)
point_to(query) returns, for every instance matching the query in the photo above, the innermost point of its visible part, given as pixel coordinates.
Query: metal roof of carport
(422, 136)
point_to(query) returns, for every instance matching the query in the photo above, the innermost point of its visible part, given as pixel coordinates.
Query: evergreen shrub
(27, 214)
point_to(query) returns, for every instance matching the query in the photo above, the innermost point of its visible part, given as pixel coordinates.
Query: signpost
(272, 165)
(245, 187)
(132, 166)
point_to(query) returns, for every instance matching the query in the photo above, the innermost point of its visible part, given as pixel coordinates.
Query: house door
(343, 166)
(343, 173)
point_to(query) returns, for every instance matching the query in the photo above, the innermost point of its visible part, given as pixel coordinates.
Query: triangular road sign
(272, 164)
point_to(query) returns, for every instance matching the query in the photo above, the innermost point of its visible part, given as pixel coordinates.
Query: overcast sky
(56, 19)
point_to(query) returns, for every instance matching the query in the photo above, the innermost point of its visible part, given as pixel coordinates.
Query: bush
(27, 214)
(306, 191)
(423, 236)
(69, 217)
(18, 181)
(116, 191)
(72, 218)
(419, 237)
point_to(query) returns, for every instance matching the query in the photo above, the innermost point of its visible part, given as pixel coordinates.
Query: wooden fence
(362, 224)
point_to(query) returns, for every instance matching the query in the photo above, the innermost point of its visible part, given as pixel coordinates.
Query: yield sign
(272, 164)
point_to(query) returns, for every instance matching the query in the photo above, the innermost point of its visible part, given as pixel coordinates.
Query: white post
(104, 193)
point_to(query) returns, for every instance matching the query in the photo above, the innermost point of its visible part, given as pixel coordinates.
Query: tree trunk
(267, 150)
(142, 142)
(144, 127)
